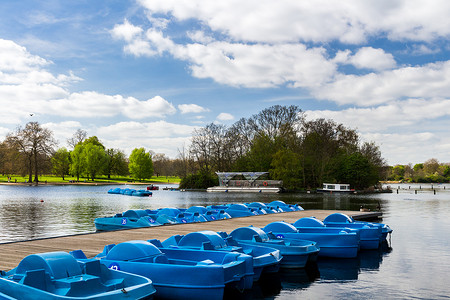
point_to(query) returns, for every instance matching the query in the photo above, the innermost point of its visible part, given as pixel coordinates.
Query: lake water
(415, 266)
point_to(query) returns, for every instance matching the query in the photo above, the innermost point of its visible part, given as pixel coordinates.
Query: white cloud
(429, 81)
(422, 49)
(3, 132)
(93, 104)
(160, 136)
(26, 87)
(400, 128)
(238, 64)
(397, 147)
(63, 130)
(15, 58)
(126, 31)
(225, 117)
(200, 37)
(371, 58)
(320, 21)
(387, 117)
(191, 108)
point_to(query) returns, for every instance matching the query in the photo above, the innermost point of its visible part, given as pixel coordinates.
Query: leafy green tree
(286, 166)
(418, 167)
(357, 170)
(261, 153)
(61, 162)
(78, 163)
(398, 172)
(201, 180)
(116, 163)
(93, 140)
(323, 141)
(141, 165)
(95, 159)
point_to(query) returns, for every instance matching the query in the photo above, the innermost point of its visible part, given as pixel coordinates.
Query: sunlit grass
(100, 179)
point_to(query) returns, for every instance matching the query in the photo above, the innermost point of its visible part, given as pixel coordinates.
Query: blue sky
(146, 73)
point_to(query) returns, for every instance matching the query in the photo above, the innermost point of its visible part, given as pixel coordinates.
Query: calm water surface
(415, 266)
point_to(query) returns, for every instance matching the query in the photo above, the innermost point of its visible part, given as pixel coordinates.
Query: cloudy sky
(148, 72)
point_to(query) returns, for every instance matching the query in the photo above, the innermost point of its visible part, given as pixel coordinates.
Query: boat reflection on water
(268, 286)
(325, 269)
(348, 269)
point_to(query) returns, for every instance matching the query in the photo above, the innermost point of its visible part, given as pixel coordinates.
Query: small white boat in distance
(335, 188)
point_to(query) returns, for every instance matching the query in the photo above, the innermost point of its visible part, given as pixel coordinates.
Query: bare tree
(277, 121)
(78, 137)
(210, 147)
(35, 143)
(160, 164)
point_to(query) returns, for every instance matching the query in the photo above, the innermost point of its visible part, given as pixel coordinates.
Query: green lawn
(100, 179)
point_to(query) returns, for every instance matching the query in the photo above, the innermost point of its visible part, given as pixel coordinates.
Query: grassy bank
(50, 179)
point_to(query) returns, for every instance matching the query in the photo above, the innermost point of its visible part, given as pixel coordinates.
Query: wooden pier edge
(11, 253)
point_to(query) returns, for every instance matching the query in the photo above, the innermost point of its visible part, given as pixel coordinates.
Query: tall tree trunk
(30, 169)
(36, 171)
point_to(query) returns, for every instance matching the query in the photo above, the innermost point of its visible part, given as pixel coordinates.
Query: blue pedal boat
(263, 259)
(240, 210)
(370, 236)
(187, 217)
(296, 253)
(333, 242)
(130, 192)
(141, 193)
(337, 219)
(213, 215)
(136, 218)
(175, 273)
(284, 206)
(262, 206)
(57, 275)
(209, 213)
(115, 191)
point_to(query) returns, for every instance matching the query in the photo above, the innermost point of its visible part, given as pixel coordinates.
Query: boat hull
(57, 275)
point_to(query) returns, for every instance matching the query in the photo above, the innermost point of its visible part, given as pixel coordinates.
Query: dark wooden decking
(92, 243)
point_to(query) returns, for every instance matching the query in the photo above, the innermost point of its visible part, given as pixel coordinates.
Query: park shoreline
(80, 183)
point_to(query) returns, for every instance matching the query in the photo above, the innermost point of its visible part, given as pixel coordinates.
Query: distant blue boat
(176, 274)
(296, 253)
(57, 275)
(264, 259)
(130, 219)
(130, 192)
(284, 206)
(262, 206)
(333, 242)
(240, 210)
(115, 191)
(339, 219)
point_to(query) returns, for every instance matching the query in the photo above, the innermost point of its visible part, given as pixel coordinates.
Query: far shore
(84, 183)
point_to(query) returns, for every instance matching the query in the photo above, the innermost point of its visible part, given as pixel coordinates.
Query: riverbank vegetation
(279, 140)
(54, 179)
(303, 154)
(431, 171)
(28, 155)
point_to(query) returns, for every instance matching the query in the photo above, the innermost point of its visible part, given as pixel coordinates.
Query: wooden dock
(92, 243)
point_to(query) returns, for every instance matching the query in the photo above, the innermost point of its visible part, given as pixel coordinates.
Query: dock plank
(93, 243)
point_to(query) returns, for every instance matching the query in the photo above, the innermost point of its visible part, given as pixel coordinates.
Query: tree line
(279, 139)
(31, 151)
(430, 171)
